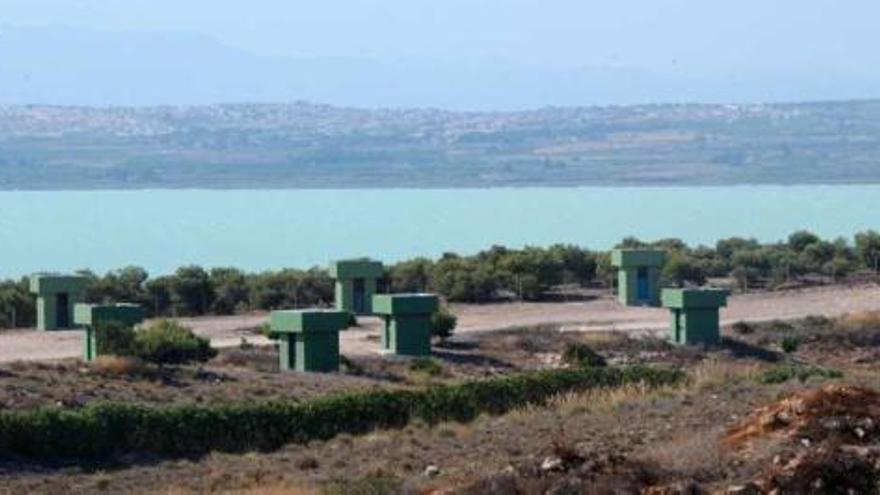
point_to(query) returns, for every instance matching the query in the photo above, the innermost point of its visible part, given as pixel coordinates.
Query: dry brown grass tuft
(696, 457)
(863, 320)
(715, 373)
(117, 365)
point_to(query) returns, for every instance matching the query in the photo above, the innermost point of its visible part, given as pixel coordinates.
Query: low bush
(266, 331)
(790, 343)
(581, 355)
(786, 372)
(742, 328)
(169, 342)
(427, 366)
(114, 338)
(443, 323)
(106, 429)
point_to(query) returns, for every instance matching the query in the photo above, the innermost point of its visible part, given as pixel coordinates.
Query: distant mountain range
(307, 145)
(55, 65)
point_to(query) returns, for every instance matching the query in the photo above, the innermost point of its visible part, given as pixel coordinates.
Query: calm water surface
(259, 229)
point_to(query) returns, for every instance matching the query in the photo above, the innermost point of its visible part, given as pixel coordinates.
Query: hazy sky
(787, 34)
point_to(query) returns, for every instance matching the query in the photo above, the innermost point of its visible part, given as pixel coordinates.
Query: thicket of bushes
(163, 342)
(498, 272)
(100, 431)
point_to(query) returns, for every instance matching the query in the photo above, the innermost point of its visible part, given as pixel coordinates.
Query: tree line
(497, 273)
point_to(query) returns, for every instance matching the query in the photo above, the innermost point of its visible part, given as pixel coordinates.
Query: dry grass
(689, 457)
(863, 320)
(117, 365)
(716, 373)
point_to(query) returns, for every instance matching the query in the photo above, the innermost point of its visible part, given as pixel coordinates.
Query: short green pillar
(92, 316)
(694, 315)
(638, 275)
(308, 339)
(407, 329)
(355, 284)
(56, 297)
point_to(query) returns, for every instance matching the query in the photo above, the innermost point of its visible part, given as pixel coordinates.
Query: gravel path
(600, 314)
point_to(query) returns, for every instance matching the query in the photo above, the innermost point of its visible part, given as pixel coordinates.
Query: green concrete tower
(356, 284)
(407, 328)
(92, 316)
(694, 315)
(309, 339)
(56, 296)
(638, 275)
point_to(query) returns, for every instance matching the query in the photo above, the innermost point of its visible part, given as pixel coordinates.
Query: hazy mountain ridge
(58, 65)
(306, 145)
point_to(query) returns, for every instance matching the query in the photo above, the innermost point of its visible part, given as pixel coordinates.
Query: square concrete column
(308, 339)
(92, 316)
(638, 275)
(356, 284)
(56, 297)
(694, 315)
(407, 329)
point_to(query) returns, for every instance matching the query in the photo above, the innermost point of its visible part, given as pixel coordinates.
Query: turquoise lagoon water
(268, 229)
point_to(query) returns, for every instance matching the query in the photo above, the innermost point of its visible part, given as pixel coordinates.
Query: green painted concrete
(629, 263)
(91, 316)
(356, 284)
(407, 330)
(308, 339)
(694, 315)
(51, 290)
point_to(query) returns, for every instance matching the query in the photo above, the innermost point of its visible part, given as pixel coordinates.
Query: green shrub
(443, 323)
(786, 372)
(582, 355)
(427, 366)
(266, 331)
(168, 342)
(742, 328)
(102, 430)
(790, 343)
(114, 338)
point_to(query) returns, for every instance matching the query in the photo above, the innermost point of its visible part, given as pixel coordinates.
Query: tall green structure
(56, 296)
(356, 284)
(638, 275)
(407, 330)
(309, 339)
(92, 316)
(695, 315)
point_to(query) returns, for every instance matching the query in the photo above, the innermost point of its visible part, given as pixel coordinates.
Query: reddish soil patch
(843, 412)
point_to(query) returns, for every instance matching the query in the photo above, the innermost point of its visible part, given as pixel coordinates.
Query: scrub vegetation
(495, 274)
(509, 411)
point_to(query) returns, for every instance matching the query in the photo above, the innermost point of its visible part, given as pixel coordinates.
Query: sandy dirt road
(600, 314)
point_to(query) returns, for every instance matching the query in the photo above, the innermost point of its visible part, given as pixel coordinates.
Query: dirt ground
(752, 418)
(603, 313)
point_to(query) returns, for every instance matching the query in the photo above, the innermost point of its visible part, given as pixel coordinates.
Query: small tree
(443, 323)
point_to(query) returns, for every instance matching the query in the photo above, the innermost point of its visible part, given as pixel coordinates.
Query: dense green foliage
(163, 342)
(802, 373)
(443, 323)
(582, 355)
(102, 430)
(114, 338)
(168, 342)
(497, 273)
